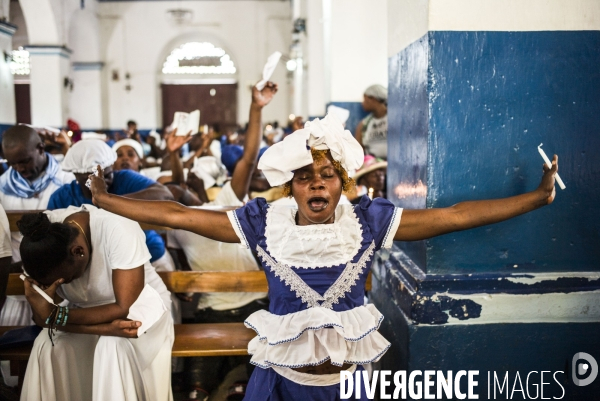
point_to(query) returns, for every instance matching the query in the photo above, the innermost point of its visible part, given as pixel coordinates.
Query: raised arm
(426, 223)
(242, 174)
(208, 223)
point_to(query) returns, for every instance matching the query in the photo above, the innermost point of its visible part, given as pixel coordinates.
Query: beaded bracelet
(66, 316)
(58, 317)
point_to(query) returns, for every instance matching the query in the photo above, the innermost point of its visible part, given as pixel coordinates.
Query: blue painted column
(474, 88)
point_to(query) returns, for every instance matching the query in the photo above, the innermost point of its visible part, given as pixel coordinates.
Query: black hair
(131, 122)
(45, 245)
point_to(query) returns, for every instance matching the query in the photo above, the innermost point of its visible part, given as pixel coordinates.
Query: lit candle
(371, 193)
(560, 182)
(40, 291)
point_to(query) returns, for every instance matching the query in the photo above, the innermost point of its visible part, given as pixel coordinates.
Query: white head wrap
(130, 142)
(280, 161)
(210, 170)
(378, 92)
(157, 138)
(93, 135)
(84, 156)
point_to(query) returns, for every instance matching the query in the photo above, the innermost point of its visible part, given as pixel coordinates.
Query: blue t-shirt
(124, 182)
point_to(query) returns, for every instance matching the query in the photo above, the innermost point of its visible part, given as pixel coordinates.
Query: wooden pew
(204, 339)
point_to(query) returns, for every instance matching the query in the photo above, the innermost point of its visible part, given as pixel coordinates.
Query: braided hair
(45, 245)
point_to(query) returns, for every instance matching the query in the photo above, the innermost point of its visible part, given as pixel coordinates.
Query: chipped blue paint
(466, 113)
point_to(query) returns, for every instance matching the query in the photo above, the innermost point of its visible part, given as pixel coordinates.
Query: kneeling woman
(99, 262)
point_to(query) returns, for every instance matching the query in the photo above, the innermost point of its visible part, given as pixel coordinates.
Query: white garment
(279, 162)
(5, 248)
(375, 137)
(16, 311)
(204, 254)
(117, 243)
(101, 368)
(166, 264)
(39, 202)
(90, 367)
(84, 156)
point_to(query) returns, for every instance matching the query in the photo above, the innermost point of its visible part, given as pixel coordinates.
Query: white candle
(560, 182)
(371, 193)
(39, 291)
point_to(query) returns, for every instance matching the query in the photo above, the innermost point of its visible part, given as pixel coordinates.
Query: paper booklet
(268, 70)
(186, 122)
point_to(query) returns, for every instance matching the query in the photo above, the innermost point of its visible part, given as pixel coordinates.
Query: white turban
(378, 92)
(84, 156)
(210, 170)
(280, 161)
(132, 143)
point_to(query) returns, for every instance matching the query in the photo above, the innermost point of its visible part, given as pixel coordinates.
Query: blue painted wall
(467, 111)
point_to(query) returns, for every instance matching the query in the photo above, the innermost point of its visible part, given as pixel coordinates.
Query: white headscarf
(132, 143)
(280, 161)
(210, 170)
(84, 156)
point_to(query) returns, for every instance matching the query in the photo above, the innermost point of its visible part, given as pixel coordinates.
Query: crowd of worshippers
(43, 170)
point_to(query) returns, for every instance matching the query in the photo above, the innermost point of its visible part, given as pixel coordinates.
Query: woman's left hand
(547, 185)
(98, 186)
(122, 328)
(40, 306)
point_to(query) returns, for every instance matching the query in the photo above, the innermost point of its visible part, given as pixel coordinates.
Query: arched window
(19, 62)
(198, 58)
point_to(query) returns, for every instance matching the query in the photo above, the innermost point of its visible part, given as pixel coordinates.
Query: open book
(186, 122)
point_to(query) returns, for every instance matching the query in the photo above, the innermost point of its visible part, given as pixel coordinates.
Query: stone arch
(42, 26)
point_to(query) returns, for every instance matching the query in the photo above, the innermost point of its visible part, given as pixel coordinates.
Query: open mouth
(317, 204)
(125, 166)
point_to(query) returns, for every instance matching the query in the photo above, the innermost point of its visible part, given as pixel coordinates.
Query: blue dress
(316, 277)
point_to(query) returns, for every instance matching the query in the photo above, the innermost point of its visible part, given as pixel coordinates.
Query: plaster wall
(7, 90)
(136, 38)
(358, 47)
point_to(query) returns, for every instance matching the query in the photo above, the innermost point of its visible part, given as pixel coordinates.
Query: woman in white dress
(99, 262)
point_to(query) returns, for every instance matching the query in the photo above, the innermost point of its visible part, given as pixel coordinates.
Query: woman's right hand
(98, 186)
(175, 142)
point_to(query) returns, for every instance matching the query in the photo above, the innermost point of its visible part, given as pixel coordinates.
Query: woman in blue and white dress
(317, 256)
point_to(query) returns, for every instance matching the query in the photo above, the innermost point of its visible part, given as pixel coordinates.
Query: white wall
(408, 20)
(136, 37)
(358, 47)
(7, 89)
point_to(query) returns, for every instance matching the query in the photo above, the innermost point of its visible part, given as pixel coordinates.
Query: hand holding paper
(39, 291)
(186, 122)
(268, 70)
(559, 181)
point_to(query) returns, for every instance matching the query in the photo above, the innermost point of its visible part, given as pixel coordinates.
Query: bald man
(33, 175)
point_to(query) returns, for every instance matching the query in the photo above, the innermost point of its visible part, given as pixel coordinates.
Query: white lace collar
(316, 245)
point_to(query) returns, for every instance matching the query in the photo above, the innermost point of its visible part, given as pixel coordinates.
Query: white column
(7, 88)
(49, 92)
(85, 102)
(296, 54)
(315, 58)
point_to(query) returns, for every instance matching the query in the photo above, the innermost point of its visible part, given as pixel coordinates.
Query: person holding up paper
(99, 262)
(317, 256)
